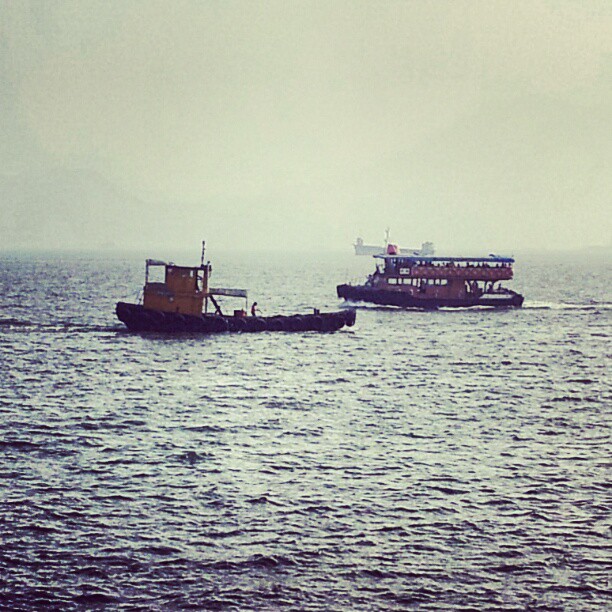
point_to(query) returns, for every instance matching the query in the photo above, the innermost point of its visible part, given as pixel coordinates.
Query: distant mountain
(74, 209)
(513, 174)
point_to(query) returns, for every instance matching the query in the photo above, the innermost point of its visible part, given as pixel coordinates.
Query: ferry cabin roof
(412, 259)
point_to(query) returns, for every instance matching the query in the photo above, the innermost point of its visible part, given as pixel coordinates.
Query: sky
(478, 125)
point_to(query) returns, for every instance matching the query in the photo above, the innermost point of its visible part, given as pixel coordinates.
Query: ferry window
(393, 281)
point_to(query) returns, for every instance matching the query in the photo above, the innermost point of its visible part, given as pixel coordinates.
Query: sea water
(430, 460)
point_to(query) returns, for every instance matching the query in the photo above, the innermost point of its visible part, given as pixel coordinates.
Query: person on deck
(254, 309)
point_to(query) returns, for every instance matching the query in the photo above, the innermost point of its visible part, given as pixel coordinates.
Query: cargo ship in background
(429, 282)
(427, 248)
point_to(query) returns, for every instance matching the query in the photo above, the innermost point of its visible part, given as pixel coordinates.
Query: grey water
(419, 460)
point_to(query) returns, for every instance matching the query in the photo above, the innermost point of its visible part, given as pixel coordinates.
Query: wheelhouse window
(156, 274)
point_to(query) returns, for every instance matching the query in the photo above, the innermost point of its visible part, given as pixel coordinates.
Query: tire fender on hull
(137, 318)
(237, 324)
(275, 324)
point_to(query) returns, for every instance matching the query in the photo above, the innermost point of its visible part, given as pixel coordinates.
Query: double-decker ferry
(436, 282)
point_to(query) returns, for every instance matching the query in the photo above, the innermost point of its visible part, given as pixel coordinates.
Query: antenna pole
(203, 252)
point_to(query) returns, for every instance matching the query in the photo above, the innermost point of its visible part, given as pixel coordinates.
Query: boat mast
(204, 277)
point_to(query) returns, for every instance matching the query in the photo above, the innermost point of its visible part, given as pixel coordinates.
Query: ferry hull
(361, 293)
(138, 318)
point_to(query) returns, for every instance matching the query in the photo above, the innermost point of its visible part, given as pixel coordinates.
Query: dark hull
(361, 293)
(137, 318)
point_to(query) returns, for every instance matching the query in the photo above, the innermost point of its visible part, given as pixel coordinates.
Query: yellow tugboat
(181, 303)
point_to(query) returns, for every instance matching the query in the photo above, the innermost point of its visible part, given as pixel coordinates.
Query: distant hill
(61, 208)
(516, 173)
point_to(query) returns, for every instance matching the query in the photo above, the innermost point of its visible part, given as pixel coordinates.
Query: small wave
(577, 588)
(43, 529)
(569, 398)
(565, 398)
(417, 595)
(391, 529)
(500, 502)
(268, 561)
(449, 490)
(527, 305)
(263, 499)
(92, 572)
(162, 551)
(95, 599)
(279, 467)
(507, 568)
(591, 306)
(60, 326)
(10, 322)
(216, 535)
(416, 436)
(376, 307)
(192, 457)
(378, 574)
(22, 445)
(256, 561)
(508, 554)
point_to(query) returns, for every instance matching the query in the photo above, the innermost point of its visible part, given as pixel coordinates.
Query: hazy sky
(481, 124)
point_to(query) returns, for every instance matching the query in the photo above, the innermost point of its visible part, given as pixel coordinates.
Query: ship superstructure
(432, 282)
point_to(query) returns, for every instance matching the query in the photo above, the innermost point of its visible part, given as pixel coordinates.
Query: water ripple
(444, 460)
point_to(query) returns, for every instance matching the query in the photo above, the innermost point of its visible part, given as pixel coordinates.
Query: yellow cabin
(183, 290)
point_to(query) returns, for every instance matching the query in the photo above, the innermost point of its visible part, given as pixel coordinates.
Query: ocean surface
(448, 460)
